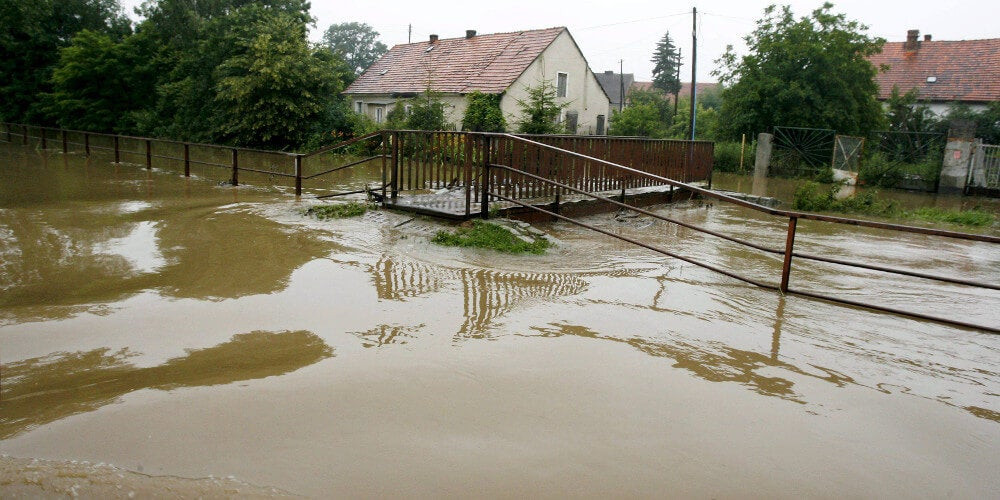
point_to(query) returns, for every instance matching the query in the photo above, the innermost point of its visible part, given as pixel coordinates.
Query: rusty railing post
(298, 175)
(64, 142)
(395, 163)
(86, 144)
(786, 267)
(44, 143)
(236, 178)
(24, 138)
(149, 154)
(7, 127)
(484, 211)
(187, 160)
(385, 154)
(117, 150)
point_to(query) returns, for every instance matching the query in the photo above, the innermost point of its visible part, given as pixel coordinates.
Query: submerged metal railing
(788, 253)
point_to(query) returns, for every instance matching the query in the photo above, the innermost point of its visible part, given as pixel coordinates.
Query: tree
(540, 111)
(483, 113)
(807, 72)
(357, 43)
(665, 61)
(31, 34)
(99, 83)
(706, 122)
(648, 115)
(270, 91)
(904, 113)
(427, 112)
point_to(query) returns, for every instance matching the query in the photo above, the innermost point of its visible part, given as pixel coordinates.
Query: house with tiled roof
(685, 91)
(942, 71)
(616, 85)
(498, 63)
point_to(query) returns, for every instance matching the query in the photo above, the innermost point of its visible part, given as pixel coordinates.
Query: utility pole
(621, 85)
(409, 33)
(694, 64)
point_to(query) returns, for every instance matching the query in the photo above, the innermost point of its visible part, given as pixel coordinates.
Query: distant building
(685, 91)
(499, 63)
(616, 84)
(942, 71)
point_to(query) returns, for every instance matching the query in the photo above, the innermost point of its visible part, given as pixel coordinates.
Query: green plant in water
(974, 217)
(338, 211)
(811, 197)
(489, 235)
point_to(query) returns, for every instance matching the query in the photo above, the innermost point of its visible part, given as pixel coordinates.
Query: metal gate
(984, 171)
(905, 160)
(801, 152)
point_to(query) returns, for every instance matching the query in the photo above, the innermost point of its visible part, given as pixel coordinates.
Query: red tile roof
(685, 87)
(966, 70)
(487, 63)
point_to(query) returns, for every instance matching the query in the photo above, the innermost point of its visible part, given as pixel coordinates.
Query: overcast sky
(628, 30)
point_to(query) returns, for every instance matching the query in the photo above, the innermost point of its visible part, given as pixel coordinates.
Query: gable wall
(583, 91)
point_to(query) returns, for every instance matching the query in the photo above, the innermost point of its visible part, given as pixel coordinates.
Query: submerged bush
(338, 211)
(489, 235)
(727, 157)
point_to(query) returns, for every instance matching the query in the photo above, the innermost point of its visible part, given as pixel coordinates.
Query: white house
(499, 63)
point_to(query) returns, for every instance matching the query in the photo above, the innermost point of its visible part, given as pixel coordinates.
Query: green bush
(338, 211)
(812, 197)
(727, 157)
(489, 235)
(974, 217)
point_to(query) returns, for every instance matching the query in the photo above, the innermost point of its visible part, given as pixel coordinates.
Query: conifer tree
(665, 61)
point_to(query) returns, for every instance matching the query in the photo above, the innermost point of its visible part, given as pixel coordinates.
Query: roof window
(931, 79)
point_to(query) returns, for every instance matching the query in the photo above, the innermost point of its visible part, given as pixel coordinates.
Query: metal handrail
(788, 252)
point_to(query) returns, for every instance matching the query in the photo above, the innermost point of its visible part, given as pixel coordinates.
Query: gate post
(298, 175)
(236, 179)
(485, 200)
(786, 267)
(763, 159)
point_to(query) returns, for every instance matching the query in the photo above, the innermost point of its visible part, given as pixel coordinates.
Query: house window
(571, 119)
(561, 84)
(378, 113)
(600, 124)
(357, 107)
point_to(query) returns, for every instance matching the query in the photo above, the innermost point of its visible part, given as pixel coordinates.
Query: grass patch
(338, 211)
(974, 217)
(489, 235)
(811, 197)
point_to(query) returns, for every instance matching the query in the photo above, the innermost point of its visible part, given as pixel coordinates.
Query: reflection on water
(715, 362)
(72, 256)
(487, 293)
(41, 390)
(383, 335)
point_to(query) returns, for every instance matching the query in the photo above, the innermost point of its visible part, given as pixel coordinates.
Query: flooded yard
(161, 332)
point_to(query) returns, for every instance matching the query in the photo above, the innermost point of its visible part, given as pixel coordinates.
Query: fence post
(786, 267)
(86, 144)
(43, 142)
(485, 200)
(395, 164)
(24, 129)
(117, 151)
(385, 155)
(298, 174)
(149, 154)
(64, 145)
(236, 179)
(187, 160)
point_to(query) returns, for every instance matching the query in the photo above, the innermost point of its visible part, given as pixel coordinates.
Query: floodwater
(163, 334)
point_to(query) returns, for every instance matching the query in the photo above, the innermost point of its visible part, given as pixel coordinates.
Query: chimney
(927, 38)
(911, 40)
(469, 34)
(434, 38)
(609, 72)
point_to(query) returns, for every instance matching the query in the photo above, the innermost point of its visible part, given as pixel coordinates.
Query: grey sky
(628, 30)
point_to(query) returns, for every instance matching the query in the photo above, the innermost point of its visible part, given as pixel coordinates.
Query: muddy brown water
(184, 331)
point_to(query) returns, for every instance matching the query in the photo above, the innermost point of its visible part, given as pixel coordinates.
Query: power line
(633, 21)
